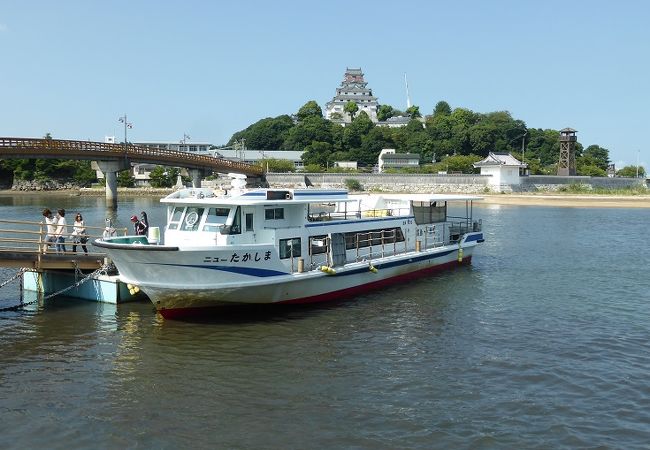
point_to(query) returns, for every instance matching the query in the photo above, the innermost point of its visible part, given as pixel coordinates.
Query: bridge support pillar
(196, 175)
(110, 169)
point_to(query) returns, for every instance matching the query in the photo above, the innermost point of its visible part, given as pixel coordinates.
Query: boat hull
(199, 295)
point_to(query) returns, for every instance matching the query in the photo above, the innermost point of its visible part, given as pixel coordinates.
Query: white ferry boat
(291, 246)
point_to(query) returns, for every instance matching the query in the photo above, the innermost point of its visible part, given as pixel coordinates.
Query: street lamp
(127, 125)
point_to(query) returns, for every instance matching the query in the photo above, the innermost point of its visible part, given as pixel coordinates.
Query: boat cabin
(301, 222)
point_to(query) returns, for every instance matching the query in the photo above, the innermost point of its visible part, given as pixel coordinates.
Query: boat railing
(378, 244)
(434, 235)
(326, 216)
(458, 229)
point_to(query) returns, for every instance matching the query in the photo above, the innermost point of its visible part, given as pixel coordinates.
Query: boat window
(318, 244)
(289, 248)
(369, 238)
(249, 221)
(175, 218)
(274, 213)
(192, 219)
(216, 218)
(233, 224)
(426, 212)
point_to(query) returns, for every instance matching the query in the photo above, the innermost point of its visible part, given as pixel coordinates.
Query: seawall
(465, 183)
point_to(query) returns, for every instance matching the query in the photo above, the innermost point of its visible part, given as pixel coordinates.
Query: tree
(442, 108)
(162, 177)
(265, 134)
(359, 127)
(631, 171)
(591, 171)
(278, 165)
(384, 112)
(459, 163)
(351, 108)
(125, 179)
(413, 112)
(372, 143)
(599, 155)
(317, 153)
(309, 109)
(310, 129)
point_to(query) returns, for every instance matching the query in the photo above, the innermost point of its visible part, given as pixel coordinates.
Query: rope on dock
(103, 270)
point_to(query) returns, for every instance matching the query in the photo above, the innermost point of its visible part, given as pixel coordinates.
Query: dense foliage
(438, 137)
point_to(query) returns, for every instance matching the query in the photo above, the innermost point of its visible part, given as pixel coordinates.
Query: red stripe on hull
(335, 295)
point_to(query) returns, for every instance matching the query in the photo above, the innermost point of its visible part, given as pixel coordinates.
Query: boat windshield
(216, 218)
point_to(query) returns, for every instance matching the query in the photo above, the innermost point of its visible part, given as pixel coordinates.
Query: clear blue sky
(209, 69)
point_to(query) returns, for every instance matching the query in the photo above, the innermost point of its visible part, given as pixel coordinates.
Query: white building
(354, 89)
(503, 168)
(389, 159)
(191, 147)
(255, 156)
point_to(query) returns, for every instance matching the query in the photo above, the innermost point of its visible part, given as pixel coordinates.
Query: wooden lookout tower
(567, 165)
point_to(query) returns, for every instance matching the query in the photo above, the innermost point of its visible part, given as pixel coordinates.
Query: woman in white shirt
(61, 231)
(50, 221)
(79, 234)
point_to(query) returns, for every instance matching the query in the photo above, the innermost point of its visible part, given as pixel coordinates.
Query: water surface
(541, 343)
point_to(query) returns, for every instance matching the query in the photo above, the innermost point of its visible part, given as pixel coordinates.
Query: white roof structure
(500, 159)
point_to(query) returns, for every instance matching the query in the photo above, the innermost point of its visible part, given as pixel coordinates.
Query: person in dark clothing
(145, 222)
(138, 226)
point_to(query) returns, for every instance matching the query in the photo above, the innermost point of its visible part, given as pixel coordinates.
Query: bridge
(113, 158)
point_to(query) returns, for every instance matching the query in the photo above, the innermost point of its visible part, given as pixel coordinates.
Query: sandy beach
(575, 201)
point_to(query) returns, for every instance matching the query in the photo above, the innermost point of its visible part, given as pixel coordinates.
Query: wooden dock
(48, 273)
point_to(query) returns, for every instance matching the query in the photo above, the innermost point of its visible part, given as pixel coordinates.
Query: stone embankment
(46, 185)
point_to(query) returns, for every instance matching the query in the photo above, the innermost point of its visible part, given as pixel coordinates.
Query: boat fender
(460, 254)
(373, 269)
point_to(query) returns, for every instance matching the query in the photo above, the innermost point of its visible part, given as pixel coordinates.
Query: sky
(210, 68)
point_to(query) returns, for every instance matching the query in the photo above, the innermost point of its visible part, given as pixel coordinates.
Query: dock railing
(27, 241)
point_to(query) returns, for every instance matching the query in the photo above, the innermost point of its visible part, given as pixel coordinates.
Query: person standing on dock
(61, 231)
(50, 238)
(79, 234)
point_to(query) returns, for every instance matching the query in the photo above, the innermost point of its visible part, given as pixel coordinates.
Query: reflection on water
(541, 343)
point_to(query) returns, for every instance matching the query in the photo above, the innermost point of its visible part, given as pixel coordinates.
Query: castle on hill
(355, 89)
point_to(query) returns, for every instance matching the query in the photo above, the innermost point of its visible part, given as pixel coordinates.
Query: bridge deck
(14, 147)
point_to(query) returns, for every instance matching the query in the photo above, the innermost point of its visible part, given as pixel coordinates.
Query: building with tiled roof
(355, 89)
(502, 167)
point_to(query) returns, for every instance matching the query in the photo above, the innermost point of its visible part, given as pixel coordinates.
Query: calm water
(542, 343)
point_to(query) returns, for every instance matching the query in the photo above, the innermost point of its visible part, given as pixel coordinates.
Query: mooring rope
(103, 270)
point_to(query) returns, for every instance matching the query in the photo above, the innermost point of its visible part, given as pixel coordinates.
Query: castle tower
(353, 88)
(567, 165)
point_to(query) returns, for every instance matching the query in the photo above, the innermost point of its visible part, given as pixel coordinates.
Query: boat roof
(275, 196)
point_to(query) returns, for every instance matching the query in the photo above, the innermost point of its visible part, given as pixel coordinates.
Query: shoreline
(533, 199)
